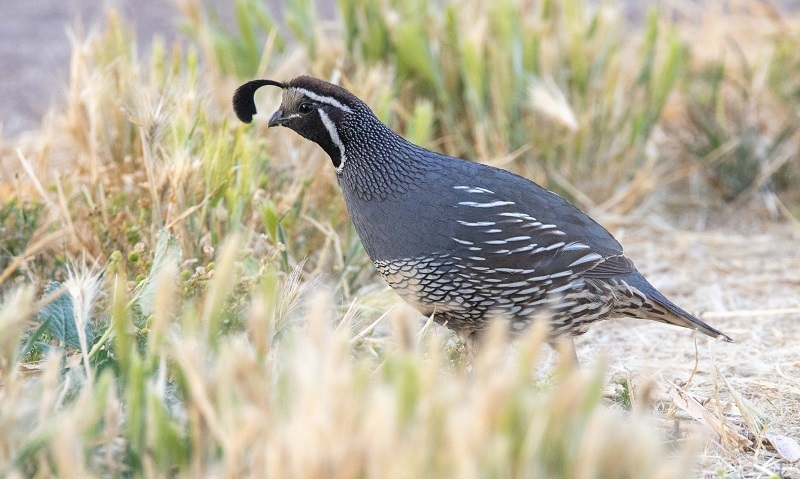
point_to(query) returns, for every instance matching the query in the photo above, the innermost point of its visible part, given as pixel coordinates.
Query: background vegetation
(182, 295)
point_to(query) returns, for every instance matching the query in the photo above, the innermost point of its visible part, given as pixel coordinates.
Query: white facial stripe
(323, 99)
(326, 120)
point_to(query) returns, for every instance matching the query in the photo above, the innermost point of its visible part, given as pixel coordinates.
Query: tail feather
(662, 309)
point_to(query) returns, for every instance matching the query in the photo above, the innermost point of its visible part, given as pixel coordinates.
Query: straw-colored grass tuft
(183, 295)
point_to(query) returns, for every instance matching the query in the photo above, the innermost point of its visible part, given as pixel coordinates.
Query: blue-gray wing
(510, 223)
(489, 219)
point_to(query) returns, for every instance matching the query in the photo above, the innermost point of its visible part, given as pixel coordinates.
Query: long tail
(651, 304)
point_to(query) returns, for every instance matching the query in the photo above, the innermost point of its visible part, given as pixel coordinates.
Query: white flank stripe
(561, 274)
(517, 284)
(560, 288)
(575, 245)
(462, 241)
(519, 238)
(486, 205)
(529, 290)
(516, 215)
(547, 299)
(473, 189)
(514, 270)
(323, 99)
(326, 120)
(479, 223)
(586, 259)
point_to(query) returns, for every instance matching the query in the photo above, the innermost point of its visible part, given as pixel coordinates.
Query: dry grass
(745, 284)
(239, 329)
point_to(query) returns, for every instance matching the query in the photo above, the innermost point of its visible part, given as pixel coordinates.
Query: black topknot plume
(243, 103)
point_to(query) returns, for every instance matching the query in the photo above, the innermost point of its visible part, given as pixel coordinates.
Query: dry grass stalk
(242, 369)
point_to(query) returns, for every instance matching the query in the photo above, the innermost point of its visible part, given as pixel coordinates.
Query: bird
(463, 241)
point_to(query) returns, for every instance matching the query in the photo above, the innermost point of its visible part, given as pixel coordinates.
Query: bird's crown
(295, 91)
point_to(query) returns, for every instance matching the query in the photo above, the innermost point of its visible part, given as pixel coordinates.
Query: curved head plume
(315, 109)
(244, 104)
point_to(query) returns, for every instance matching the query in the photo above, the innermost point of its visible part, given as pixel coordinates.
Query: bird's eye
(305, 108)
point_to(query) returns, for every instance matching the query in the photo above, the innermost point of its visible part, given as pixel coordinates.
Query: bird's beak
(277, 118)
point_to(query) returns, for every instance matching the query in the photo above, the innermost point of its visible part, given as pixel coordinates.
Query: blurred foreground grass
(183, 295)
(321, 399)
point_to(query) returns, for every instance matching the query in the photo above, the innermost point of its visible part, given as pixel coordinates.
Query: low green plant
(742, 143)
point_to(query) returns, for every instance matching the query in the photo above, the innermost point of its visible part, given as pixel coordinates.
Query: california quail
(462, 240)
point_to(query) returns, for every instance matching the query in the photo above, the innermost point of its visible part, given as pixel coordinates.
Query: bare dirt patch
(747, 286)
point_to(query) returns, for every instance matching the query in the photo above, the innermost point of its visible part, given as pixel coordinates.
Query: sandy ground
(747, 285)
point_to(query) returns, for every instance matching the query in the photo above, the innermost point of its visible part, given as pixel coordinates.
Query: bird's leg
(472, 343)
(567, 355)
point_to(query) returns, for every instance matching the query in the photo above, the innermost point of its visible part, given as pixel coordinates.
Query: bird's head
(315, 109)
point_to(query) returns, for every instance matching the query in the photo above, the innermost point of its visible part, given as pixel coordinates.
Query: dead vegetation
(223, 320)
